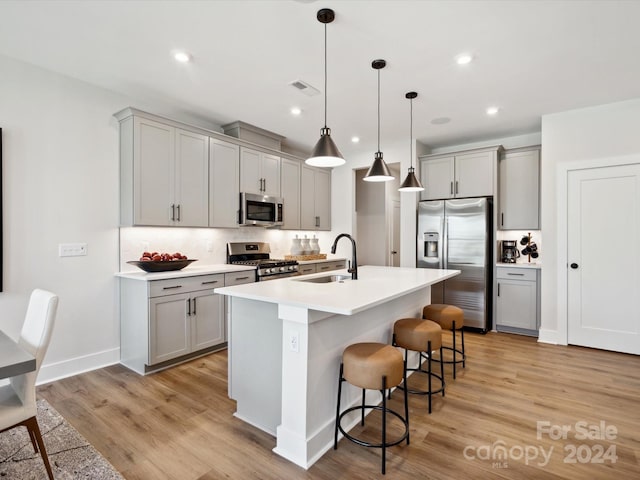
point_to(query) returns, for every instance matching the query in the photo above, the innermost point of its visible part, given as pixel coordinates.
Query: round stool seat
(415, 333)
(366, 363)
(444, 315)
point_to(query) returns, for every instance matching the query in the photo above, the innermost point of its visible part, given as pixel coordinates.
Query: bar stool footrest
(369, 444)
(463, 357)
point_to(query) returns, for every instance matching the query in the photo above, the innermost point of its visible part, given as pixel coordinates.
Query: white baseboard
(548, 336)
(67, 368)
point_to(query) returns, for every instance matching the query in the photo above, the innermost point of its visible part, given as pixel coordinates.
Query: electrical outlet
(72, 249)
(144, 246)
(209, 246)
(294, 342)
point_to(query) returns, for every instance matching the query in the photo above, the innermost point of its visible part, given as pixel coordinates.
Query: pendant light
(378, 172)
(325, 153)
(411, 183)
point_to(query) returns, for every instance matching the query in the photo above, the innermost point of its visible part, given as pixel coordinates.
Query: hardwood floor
(178, 424)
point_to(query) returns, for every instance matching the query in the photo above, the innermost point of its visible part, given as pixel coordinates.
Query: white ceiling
(530, 58)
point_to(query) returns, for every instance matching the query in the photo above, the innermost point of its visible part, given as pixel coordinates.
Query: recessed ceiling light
(182, 57)
(464, 59)
(355, 139)
(492, 110)
(296, 111)
(440, 120)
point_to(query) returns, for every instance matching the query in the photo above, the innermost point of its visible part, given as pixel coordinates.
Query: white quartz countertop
(375, 286)
(190, 271)
(520, 265)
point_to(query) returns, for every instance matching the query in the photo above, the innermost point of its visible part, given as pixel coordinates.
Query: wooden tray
(315, 256)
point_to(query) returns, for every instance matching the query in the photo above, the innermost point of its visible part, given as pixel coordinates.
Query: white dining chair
(18, 398)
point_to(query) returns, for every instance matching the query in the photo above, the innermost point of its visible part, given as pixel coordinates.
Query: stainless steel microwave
(261, 210)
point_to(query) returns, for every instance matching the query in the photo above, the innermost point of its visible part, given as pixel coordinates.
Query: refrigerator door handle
(445, 240)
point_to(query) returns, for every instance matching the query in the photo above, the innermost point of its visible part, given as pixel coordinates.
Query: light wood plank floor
(178, 424)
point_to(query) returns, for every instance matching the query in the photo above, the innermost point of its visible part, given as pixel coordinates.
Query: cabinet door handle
(264, 184)
(502, 219)
(456, 187)
(172, 288)
(188, 307)
(241, 278)
(178, 212)
(210, 282)
(451, 188)
(324, 268)
(173, 212)
(194, 306)
(498, 289)
(317, 221)
(516, 274)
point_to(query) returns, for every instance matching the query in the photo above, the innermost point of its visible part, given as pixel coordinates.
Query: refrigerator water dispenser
(431, 240)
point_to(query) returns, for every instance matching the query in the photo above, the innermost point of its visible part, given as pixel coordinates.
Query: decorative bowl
(154, 266)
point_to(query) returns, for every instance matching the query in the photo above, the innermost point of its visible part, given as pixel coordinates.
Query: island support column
(312, 346)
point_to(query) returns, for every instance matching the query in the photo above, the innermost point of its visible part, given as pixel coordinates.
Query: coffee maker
(509, 251)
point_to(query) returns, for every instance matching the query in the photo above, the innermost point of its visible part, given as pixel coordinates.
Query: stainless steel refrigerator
(458, 234)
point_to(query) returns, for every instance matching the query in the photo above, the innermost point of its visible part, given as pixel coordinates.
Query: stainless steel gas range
(257, 254)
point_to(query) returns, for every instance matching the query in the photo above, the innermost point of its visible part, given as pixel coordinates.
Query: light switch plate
(72, 249)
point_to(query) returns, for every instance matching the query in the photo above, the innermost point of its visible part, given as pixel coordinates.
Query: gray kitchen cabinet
(259, 172)
(315, 199)
(319, 267)
(164, 173)
(170, 320)
(519, 189)
(290, 192)
(224, 184)
(518, 300)
(459, 175)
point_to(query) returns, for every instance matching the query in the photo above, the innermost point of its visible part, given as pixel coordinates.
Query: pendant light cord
(378, 109)
(325, 75)
(411, 135)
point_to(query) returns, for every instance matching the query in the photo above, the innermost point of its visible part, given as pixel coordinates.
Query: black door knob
(574, 265)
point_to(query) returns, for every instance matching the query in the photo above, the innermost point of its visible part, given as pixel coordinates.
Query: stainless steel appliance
(261, 210)
(257, 254)
(458, 235)
(509, 251)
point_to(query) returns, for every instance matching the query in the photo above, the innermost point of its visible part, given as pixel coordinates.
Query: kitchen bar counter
(190, 271)
(286, 339)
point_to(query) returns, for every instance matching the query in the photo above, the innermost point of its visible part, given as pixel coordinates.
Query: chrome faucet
(354, 261)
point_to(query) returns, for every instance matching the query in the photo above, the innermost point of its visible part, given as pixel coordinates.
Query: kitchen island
(286, 338)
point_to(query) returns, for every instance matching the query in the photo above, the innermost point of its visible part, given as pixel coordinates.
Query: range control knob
(267, 270)
(282, 269)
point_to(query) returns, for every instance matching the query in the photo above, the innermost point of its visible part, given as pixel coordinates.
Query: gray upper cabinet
(290, 192)
(224, 184)
(519, 189)
(259, 172)
(459, 175)
(315, 199)
(164, 174)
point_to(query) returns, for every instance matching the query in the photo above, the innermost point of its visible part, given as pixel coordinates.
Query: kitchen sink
(326, 279)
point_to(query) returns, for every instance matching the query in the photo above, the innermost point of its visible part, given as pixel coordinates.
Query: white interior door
(603, 251)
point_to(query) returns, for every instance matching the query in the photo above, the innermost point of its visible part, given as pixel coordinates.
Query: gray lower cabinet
(167, 321)
(319, 267)
(518, 300)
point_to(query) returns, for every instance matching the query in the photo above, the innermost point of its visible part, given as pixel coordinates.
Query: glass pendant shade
(411, 183)
(378, 172)
(325, 153)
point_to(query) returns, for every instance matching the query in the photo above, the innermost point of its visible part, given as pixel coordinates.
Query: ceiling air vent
(305, 88)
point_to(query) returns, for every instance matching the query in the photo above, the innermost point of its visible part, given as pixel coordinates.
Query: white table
(13, 359)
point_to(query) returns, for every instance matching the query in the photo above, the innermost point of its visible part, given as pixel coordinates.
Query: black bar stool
(451, 318)
(372, 366)
(424, 337)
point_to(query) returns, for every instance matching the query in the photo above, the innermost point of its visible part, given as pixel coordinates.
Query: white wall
(571, 139)
(60, 181)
